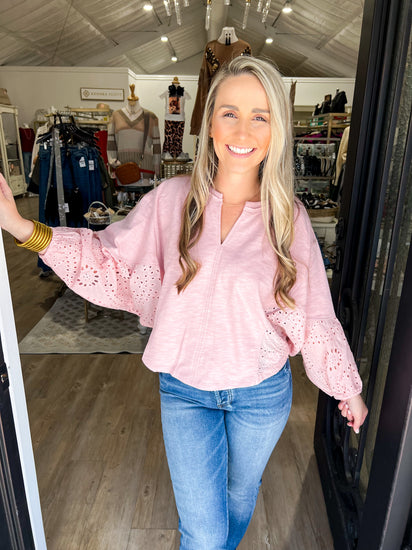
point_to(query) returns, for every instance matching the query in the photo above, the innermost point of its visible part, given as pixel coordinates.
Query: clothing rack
(69, 173)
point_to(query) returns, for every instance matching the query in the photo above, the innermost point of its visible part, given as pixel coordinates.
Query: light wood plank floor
(101, 467)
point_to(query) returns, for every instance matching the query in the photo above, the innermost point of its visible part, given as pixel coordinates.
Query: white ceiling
(320, 38)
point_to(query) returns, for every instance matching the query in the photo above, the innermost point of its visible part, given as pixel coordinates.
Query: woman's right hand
(10, 219)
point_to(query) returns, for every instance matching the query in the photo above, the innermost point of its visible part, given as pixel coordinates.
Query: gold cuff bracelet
(40, 238)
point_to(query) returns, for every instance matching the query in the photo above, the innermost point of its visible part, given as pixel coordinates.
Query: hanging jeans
(217, 445)
(27, 165)
(81, 183)
(80, 170)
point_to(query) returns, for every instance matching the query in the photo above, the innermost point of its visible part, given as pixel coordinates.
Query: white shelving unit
(11, 158)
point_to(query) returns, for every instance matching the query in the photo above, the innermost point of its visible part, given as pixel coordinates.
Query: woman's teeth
(240, 150)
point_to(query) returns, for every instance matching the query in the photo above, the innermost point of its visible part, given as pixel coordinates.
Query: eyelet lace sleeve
(312, 327)
(116, 268)
(328, 359)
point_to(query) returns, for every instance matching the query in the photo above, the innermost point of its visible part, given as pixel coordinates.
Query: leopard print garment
(173, 137)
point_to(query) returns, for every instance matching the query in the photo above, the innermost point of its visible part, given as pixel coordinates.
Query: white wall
(310, 91)
(32, 88)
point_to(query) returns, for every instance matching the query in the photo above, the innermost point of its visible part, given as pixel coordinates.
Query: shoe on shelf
(167, 156)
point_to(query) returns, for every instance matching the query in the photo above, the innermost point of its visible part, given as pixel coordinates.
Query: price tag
(91, 165)
(82, 162)
(66, 207)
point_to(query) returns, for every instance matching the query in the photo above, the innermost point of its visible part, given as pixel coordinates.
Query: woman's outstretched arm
(10, 219)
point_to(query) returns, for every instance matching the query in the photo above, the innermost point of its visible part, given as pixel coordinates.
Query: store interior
(87, 78)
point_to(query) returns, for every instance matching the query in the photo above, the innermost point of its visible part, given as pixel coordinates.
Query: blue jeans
(217, 445)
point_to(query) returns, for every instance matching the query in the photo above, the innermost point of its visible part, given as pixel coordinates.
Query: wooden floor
(102, 472)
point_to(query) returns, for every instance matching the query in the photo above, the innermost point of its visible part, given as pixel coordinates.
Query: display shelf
(171, 168)
(90, 117)
(11, 158)
(330, 121)
(317, 176)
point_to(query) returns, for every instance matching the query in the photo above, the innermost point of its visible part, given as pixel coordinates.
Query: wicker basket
(323, 214)
(98, 214)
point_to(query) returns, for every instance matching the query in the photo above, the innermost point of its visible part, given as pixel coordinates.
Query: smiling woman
(231, 258)
(241, 136)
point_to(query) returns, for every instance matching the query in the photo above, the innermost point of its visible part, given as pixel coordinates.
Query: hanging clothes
(175, 97)
(67, 175)
(27, 138)
(214, 56)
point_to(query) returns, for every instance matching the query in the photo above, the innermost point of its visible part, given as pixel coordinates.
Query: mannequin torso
(133, 110)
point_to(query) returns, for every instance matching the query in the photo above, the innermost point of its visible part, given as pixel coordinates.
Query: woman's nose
(242, 129)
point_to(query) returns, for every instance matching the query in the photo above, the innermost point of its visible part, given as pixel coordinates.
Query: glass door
(370, 290)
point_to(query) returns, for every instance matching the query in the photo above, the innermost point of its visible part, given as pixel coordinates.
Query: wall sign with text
(105, 94)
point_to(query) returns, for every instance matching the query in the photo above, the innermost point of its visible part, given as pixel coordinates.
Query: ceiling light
(287, 8)
(148, 7)
(269, 40)
(174, 59)
(164, 38)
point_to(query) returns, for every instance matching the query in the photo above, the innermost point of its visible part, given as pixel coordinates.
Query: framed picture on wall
(99, 94)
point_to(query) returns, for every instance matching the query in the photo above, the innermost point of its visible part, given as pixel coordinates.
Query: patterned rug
(64, 330)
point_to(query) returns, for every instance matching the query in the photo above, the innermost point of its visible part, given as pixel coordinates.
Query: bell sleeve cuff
(328, 359)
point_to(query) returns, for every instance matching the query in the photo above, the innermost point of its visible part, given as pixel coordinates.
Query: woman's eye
(261, 118)
(229, 115)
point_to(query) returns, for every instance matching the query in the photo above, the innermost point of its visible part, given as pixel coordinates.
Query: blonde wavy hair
(275, 174)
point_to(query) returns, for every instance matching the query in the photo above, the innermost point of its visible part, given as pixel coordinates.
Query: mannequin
(175, 97)
(227, 36)
(133, 108)
(217, 52)
(133, 136)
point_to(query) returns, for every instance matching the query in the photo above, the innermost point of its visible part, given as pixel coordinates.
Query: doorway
(362, 475)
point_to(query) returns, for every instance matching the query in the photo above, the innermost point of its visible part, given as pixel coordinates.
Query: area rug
(64, 330)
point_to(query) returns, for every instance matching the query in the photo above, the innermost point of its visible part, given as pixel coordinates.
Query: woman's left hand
(354, 410)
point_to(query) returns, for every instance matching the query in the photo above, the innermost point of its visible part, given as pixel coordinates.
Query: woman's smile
(240, 127)
(240, 151)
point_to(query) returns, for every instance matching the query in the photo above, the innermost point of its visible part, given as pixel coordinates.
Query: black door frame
(389, 496)
(352, 521)
(15, 525)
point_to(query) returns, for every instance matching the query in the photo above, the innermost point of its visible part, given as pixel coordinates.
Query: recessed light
(148, 7)
(164, 38)
(269, 40)
(287, 8)
(174, 59)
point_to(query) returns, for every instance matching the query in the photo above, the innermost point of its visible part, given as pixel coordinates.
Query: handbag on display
(128, 173)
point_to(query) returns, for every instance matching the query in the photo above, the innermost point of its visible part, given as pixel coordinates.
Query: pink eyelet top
(225, 329)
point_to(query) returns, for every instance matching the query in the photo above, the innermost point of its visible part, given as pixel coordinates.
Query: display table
(325, 231)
